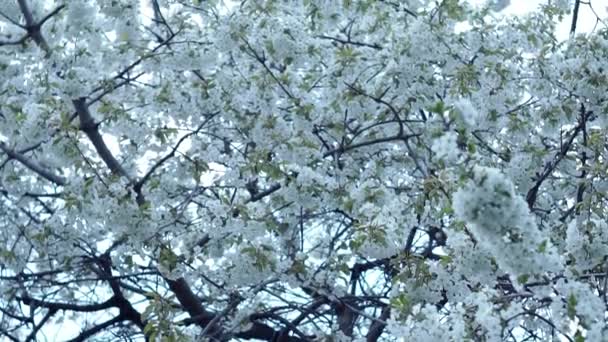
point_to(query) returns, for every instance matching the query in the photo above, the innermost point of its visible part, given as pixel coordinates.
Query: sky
(586, 18)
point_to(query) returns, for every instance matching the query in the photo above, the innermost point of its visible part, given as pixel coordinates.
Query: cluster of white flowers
(126, 30)
(241, 271)
(580, 300)
(469, 115)
(446, 147)
(486, 316)
(80, 14)
(488, 201)
(587, 242)
(501, 222)
(114, 8)
(422, 325)
(471, 261)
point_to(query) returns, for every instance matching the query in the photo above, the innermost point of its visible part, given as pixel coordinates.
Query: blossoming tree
(181, 170)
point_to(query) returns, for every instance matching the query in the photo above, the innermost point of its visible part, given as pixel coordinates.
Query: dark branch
(350, 42)
(32, 165)
(377, 327)
(66, 306)
(550, 166)
(91, 129)
(96, 329)
(577, 4)
(49, 314)
(33, 28)
(193, 306)
(137, 187)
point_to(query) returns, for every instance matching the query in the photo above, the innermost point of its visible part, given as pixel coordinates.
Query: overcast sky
(586, 18)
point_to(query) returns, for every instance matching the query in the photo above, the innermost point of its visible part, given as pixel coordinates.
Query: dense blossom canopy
(368, 170)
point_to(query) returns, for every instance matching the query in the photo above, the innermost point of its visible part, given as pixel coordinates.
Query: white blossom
(469, 114)
(445, 147)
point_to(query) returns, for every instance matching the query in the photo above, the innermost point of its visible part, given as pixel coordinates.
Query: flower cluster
(501, 222)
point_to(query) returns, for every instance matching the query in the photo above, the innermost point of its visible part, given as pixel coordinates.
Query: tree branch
(550, 166)
(342, 149)
(33, 28)
(350, 42)
(91, 129)
(193, 306)
(49, 314)
(577, 4)
(96, 329)
(66, 306)
(32, 166)
(137, 187)
(377, 327)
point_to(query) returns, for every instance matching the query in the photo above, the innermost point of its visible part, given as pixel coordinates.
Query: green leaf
(168, 258)
(445, 260)
(454, 9)
(571, 308)
(7, 255)
(164, 96)
(522, 279)
(105, 108)
(471, 148)
(346, 54)
(349, 204)
(542, 247)
(448, 210)
(269, 47)
(145, 207)
(403, 305)
(298, 267)
(129, 261)
(438, 108)
(150, 330)
(160, 135)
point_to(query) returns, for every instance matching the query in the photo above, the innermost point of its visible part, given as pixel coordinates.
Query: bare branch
(33, 28)
(32, 165)
(91, 129)
(137, 187)
(377, 327)
(96, 329)
(66, 306)
(577, 4)
(550, 166)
